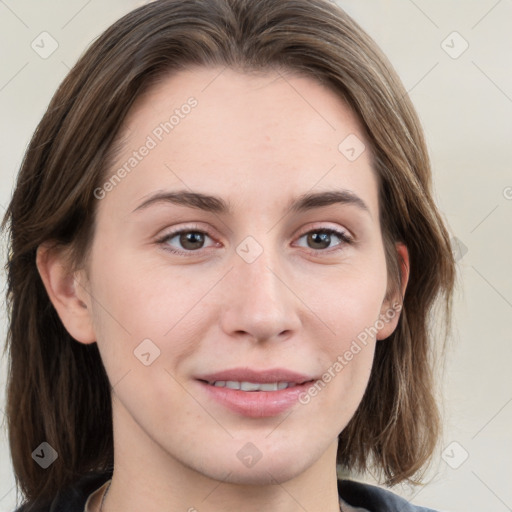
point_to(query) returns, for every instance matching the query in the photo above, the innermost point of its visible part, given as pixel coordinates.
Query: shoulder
(375, 499)
(72, 498)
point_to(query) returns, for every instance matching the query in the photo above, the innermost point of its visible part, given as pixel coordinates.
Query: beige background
(465, 103)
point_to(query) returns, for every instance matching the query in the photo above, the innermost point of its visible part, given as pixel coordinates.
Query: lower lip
(256, 404)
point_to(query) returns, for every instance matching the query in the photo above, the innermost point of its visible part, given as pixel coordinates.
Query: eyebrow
(209, 203)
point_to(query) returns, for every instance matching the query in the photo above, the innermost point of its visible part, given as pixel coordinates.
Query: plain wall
(464, 99)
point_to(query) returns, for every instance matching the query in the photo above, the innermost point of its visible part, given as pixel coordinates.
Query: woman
(224, 256)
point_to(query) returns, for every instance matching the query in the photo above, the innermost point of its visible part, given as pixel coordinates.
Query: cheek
(351, 308)
(350, 303)
(133, 303)
(125, 293)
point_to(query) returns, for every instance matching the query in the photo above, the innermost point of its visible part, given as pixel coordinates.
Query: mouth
(254, 393)
(254, 386)
(246, 378)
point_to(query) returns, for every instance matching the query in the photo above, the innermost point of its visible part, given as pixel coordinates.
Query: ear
(67, 291)
(392, 305)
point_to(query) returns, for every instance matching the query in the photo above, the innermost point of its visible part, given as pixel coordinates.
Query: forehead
(220, 130)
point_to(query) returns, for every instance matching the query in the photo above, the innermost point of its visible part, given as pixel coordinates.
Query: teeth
(252, 386)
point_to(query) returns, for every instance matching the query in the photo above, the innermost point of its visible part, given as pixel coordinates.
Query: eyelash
(342, 235)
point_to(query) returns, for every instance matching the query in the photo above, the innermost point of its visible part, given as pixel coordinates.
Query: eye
(321, 239)
(189, 240)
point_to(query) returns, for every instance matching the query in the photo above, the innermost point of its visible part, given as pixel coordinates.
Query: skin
(259, 142)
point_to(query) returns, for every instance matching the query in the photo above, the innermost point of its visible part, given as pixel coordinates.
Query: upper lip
(257, 376)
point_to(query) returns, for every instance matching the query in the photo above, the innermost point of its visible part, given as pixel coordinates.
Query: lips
(254, 393)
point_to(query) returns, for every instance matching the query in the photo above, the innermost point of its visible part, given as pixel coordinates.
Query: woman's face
(263, 285)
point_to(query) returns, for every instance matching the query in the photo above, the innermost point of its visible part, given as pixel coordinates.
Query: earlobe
(392, 306)
(66, 292)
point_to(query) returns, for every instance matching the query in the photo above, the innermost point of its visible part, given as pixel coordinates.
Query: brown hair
(58, 390)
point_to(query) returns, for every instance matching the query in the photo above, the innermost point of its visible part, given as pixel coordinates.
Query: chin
(267, 474)
(276, 468)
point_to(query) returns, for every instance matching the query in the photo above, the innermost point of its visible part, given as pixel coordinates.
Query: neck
(148, 478)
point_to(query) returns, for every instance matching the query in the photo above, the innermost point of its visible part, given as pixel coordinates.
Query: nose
(259, 300)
